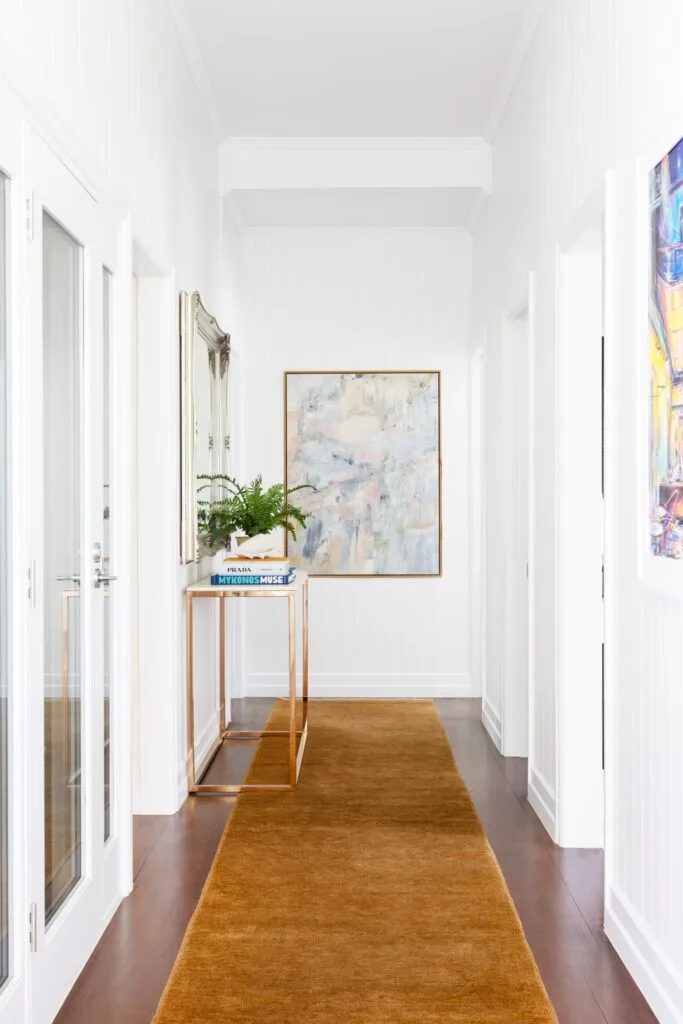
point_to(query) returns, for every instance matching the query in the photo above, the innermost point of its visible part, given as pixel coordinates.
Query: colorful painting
(666, 356)
(369, 444)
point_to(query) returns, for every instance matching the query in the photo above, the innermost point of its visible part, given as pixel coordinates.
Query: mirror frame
(197, 326)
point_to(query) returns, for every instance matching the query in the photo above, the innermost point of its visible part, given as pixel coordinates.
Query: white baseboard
(652, 970)
(541, 796)
(492, 723)
(371, 685)
(53, 687)
(204, 741)
(111, 910)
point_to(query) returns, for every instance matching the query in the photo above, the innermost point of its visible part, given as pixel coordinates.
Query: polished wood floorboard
(558, 893)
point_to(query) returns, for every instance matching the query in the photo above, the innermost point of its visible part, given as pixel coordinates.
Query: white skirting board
(373, 685)
(657, 978)
(492, 723)
(54, 686)
(541, 796)
(204, 741)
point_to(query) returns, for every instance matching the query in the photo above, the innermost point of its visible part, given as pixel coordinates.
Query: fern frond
(249, 509)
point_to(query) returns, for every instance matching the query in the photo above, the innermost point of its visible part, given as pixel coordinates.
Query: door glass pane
(107, 296)
(4, 681)
(62, 320)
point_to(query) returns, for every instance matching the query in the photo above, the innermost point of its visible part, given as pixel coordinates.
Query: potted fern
(250, 512)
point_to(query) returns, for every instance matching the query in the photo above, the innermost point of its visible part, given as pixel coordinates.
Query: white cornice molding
(513, 67)
(188, 41)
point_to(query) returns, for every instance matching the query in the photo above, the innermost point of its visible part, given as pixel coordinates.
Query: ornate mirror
(205, 440)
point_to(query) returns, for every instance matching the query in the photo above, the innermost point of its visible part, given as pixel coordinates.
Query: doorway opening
(507, 531)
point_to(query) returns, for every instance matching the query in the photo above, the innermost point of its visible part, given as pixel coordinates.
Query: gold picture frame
(201, 338)
(384, 373)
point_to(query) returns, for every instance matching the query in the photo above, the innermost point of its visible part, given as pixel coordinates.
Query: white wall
(114, 88)
(598, 79)
(351, 299)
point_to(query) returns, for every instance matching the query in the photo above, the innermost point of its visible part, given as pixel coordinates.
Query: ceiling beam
(354, 163)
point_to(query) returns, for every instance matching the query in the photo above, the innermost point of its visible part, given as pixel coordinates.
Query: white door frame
(580, 526)
(533, 777)
(477, 547)
(123, 377)
(515, 690)
(13, 993)
(160, 785)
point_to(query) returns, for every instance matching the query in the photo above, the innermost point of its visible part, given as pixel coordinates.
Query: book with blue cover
(257, 580)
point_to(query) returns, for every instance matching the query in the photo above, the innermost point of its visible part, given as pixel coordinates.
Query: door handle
(75, 578)
(100, 578)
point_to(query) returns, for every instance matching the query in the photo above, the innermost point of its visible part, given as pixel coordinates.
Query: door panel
(13, 604)
(62, 865)
(4, 675)
(73, 884)
(108, 497)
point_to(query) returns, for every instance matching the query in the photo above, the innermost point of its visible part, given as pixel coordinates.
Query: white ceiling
(359, 67)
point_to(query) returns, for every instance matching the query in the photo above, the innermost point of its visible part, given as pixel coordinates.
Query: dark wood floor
(558, 894)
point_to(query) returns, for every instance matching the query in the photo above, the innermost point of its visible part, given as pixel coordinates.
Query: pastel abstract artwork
(370, 445)
(666, 356)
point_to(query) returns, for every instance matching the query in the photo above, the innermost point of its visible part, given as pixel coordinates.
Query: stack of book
(254, 572)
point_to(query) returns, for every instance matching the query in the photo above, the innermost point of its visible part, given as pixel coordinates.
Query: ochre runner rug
(368, 896)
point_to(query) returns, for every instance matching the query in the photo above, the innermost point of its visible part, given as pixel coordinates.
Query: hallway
(387, 297)
(557, 893)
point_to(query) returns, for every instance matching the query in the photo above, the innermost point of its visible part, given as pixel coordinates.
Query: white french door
(13, 951)
(74, 849)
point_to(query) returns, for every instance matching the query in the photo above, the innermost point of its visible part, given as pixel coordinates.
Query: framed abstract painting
(370, 444)
(661, 180)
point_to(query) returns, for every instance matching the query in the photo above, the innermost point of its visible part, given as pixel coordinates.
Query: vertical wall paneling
(353, 299)
(597, 82)
(111, 89)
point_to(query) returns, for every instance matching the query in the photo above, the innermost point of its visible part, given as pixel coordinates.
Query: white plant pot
(217, 561)
(260, 546)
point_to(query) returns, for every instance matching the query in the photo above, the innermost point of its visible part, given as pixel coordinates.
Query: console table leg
(191, 780)
(292, 691)
(304, 598)
(221, 668)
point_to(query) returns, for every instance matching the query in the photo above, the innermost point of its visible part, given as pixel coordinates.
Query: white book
(255, 566)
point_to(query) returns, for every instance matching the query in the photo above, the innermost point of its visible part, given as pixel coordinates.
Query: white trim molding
(188, 41)
(541, 796)
(203, 742)
(492, 723)
(657, 978)
(521, 45)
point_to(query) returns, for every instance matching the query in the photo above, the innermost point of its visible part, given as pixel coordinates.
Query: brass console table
(297, 737)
